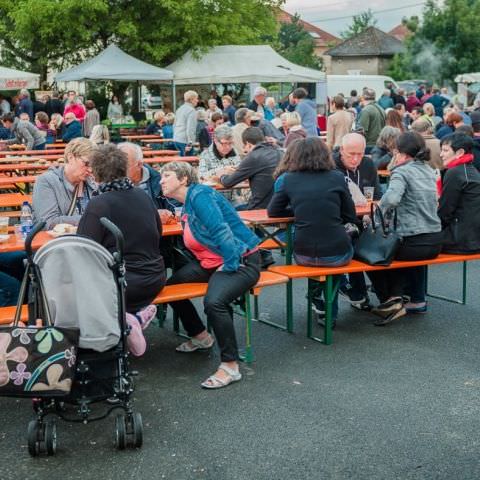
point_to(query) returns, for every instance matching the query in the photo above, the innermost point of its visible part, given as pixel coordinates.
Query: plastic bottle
(26, 219)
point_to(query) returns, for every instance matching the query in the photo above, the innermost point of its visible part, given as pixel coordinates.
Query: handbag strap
(73, 203)
(377, 210)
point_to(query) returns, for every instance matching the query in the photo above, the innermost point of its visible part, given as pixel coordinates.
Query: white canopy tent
(468, 78)
(114, 64)
(251, 64)
(240, 64)
(11, 79)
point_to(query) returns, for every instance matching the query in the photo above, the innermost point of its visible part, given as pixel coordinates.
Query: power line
(323, 20)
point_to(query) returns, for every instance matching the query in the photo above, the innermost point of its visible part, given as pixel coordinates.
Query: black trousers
(223, 289)
(410, 281)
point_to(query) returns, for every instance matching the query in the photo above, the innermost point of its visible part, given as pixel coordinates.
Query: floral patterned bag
(37, 361)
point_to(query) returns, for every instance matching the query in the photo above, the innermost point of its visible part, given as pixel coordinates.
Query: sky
(324, 13)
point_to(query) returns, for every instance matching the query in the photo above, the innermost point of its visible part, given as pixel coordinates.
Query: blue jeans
(11, 274)
(332, 261)
(40, 147)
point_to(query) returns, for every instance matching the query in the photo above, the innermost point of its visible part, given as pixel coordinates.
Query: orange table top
(169, 159)
(141, 137)
(159, 153)
(33, 159)
(13, 200)
(11, 167)
(260, 217)
(18, 179)
(155, 139)
(17, 244)
(38, 153)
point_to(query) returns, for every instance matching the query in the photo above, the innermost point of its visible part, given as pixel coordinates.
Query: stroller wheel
(120, 432)
(137, 429)
(51, 437)
(33, 434)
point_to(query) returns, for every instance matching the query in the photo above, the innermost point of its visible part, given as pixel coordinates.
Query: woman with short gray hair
(382, 152)
(136, 216)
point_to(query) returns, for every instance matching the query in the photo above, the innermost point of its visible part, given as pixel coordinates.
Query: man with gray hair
(148, 179)
(243, 120)
(185, 126)
(258, 102)
(372, 119)
(219, 154)
(25, 105)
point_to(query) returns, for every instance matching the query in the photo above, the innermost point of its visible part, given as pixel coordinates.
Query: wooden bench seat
(326, 274)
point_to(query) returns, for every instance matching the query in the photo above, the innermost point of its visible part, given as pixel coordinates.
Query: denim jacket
(216, 225)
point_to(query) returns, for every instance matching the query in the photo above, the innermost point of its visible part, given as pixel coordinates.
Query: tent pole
(174, 97)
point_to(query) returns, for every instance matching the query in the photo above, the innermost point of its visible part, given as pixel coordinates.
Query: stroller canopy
(81, 289)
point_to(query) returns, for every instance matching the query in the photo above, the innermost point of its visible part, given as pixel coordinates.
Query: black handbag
(37, 361)
(377, 245)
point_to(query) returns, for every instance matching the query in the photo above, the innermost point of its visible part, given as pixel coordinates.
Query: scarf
(466, 158)
(116, 185)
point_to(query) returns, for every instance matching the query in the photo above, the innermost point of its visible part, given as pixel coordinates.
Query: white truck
(346, 83)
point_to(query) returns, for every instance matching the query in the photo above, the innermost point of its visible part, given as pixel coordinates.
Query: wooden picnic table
(45, 158)
(59, 145)
(37, 153)
(156, 139)
(161, 159)
(6, 182)
(158, 153)
(13, 200)
(129, 138)
(23, 167)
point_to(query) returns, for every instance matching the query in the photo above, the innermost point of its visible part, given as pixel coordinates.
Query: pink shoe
(146, 315)
(135, 340)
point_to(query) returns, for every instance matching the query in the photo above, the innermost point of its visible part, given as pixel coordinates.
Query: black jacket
(257, 167)
(134, 213)
(381, 157)
(364, 176)
(54, 105)
(321, 204)
(459, 209)
(476, 152)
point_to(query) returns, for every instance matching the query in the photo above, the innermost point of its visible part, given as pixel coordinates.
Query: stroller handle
(28, 241)
(116, 232)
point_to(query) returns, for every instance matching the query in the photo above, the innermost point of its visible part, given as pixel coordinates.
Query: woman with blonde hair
(61, 194)
(155, 127)
(429, 114)
(294, 126)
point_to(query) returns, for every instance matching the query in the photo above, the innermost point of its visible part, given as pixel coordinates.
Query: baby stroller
(75, 283)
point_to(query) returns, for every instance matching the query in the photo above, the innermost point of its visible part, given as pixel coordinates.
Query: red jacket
(412, 102)
(78, 109)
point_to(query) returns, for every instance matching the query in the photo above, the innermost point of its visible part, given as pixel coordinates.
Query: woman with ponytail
(412, 192)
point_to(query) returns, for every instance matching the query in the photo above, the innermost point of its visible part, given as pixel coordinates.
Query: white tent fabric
(114, 64)
(240, 64)
(468, 78)
(11, 79)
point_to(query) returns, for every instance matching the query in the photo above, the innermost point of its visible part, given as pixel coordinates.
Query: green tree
(297, 45)
(359, 23)
(445, 43)
(39, 35)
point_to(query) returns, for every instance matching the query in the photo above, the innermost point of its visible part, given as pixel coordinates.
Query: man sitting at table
(360, 170)
(24, 132)
(72, 128)
(257, 167)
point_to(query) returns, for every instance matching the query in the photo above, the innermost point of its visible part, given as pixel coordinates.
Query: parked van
(346, 83)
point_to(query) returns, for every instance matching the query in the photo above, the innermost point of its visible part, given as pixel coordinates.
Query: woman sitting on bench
(412, 192)
(226, 256)
(459, 205)
(311, 189)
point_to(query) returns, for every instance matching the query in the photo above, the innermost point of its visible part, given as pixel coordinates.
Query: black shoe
(360, 302)
(266, 259)
(385, 309)
(364, 305)
(394, 315)
(321, 321)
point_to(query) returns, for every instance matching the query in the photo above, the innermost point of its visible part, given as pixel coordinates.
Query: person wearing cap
(258, 102)
(306, 109)
(372, 119)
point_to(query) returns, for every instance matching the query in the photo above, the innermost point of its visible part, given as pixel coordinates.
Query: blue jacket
(72, 130)
(306, 109)
(216, 225)
(25, 106)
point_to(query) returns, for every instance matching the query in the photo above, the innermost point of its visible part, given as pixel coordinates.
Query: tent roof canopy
(468, 77)
(114, 64)
(240, 64)
(11, 79)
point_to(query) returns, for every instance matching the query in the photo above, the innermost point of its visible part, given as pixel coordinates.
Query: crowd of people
(431, 197)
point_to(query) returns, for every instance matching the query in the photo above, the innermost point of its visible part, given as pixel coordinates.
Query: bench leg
(247, 357)
(289, 325)
(463, 301)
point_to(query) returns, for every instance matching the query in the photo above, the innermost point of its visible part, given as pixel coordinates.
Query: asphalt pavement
(398, 402)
